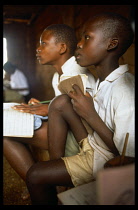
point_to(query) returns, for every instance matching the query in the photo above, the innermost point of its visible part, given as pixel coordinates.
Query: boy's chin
(79, 62)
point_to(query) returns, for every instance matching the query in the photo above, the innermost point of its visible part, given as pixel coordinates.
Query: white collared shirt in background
(18, 80)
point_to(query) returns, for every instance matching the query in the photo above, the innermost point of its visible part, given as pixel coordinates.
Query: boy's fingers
(33, 101)
(77, 89)
(88, 94)
(71, 94)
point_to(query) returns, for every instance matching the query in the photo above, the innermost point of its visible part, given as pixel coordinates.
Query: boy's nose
(38, 50)
(79, 45)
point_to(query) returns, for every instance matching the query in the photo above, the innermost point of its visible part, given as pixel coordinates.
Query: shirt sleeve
(124, 118)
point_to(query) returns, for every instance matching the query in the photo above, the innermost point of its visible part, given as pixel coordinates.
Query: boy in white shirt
(57, 47)
(109, 113)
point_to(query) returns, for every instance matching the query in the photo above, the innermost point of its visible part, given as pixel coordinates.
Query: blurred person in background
(15, 84)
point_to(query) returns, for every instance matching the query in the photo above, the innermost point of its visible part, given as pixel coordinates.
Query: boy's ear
(63, 48)
(113, 44)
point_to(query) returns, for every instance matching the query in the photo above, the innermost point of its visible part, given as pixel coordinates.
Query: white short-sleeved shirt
(71, 68)
(18, 80)
(114, 102)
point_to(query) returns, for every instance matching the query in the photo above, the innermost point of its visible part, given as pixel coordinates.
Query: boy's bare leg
(42, 179)
(20, 159)
(61, 118)
(19, 155)
(17, 152)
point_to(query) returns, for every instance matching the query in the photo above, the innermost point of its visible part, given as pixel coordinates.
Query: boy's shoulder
(124, 86)
(121, 75)
(127, 79)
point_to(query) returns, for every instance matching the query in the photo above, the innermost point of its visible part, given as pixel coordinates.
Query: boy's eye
(87, 37)
(42, 43)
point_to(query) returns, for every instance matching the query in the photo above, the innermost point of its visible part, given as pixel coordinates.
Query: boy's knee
(60, 102)
(32, 176)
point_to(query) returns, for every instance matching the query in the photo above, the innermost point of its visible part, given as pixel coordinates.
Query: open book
(85, 194)
(66, 82)
(15, 123)
(113, 186)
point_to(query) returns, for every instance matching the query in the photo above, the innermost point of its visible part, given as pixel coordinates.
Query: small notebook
(16, 123)
(65, 85)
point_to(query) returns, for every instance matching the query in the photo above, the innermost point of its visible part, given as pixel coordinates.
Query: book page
(85, 194)
(17, 124)
(113, 186)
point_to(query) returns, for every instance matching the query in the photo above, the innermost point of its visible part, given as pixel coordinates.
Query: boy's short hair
(116, 26)
(66, 34)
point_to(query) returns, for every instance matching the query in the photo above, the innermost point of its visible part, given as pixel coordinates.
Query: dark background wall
(23, 39)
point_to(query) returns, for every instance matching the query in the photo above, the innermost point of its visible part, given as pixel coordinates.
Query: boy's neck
(61, 63)
(105, 70)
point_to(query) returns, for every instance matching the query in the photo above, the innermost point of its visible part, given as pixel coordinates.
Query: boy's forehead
(93, 24)
(47, 34)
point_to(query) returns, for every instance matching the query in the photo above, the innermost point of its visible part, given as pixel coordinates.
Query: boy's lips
(78, 55)
(38, 57)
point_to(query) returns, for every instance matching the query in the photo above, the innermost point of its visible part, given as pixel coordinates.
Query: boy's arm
(84, 107)
(103, 131)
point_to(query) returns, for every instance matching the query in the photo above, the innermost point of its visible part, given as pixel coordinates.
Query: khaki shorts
(72, 147)
(80, 166)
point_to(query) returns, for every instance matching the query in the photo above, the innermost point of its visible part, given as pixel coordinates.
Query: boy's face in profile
(92, 49)
(48, 51)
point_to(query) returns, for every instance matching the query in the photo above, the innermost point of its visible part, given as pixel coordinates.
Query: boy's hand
(39, 109)
(33, 101)
(82, 104)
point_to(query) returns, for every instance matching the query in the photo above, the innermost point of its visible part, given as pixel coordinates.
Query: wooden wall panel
(23, 41)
